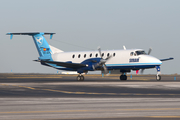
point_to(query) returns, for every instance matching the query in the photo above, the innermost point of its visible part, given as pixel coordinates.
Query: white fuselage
(119, 57)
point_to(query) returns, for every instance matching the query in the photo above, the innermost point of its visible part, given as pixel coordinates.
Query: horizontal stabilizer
(31, 34)
(166, 59)
(64, 64)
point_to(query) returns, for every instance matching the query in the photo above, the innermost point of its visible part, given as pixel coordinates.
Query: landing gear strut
(158, 77)
(123, 77)
(80, 77)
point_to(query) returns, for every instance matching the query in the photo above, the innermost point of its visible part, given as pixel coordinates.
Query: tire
(82, 78)
(79, 78)
(123, 77)
(158, 77)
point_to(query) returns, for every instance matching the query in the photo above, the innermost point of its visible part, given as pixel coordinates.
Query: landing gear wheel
(158, 77)
(80, 78)
(123, 77)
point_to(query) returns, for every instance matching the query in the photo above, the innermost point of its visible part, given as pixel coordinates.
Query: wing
(166, 59)
(64, 64)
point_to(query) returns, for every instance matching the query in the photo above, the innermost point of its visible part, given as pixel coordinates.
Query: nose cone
(150, 60)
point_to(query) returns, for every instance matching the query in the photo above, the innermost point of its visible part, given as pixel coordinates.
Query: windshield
(141, 53)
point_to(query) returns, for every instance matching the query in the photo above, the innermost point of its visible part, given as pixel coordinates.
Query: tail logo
(39, 40)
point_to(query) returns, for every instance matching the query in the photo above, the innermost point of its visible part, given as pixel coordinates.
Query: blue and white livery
(122, 60)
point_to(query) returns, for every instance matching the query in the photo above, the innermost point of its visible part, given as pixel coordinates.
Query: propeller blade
(102, 61)
(142, 71)
(105, 69)
(150, 49)
(99, 49)
(108, 57)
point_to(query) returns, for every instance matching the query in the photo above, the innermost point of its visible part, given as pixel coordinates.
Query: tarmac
(54, 97)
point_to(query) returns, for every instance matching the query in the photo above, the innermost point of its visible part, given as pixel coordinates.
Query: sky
(82, 25)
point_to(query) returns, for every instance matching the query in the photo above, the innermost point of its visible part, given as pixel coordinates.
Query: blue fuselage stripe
(133, 64)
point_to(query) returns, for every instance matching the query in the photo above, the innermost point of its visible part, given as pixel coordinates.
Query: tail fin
(42, 46)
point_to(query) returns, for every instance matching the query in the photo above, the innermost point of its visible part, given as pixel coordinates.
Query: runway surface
(36, 97)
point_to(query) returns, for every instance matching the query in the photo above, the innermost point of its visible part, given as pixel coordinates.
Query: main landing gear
(80, 77)
(123, 77)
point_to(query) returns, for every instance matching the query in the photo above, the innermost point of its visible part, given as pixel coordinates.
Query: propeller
(149, 51)
(103, 61)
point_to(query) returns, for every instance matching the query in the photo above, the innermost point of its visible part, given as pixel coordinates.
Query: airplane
(123, 60)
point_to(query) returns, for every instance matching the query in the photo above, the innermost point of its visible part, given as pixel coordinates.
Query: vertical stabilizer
(42, 46)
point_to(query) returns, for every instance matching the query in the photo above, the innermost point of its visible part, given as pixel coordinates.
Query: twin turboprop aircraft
(82, 62)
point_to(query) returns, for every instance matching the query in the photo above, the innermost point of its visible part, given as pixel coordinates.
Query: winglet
(51, 35)
(11, 36)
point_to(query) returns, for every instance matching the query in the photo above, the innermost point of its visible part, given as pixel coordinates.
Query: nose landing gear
(158, 77)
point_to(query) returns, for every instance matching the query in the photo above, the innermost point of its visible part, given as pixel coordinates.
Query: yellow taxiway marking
(80, 92)
(163, 116)
(60, 111)
(88, 93)
(96, 110)
(4, 84)
(149, 109)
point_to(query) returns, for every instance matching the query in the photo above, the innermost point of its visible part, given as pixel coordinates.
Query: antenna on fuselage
(124, 47)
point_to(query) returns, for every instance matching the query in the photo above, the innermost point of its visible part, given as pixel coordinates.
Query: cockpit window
(140, 52)
(131, 54)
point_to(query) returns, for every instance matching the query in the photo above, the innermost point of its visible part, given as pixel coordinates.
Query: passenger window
(73, 56)
(91, 55)
(108, 54)
(131, 54)
(102, 54)
(84, 55)
(79, 56)
(114, 54)
(96, 55)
